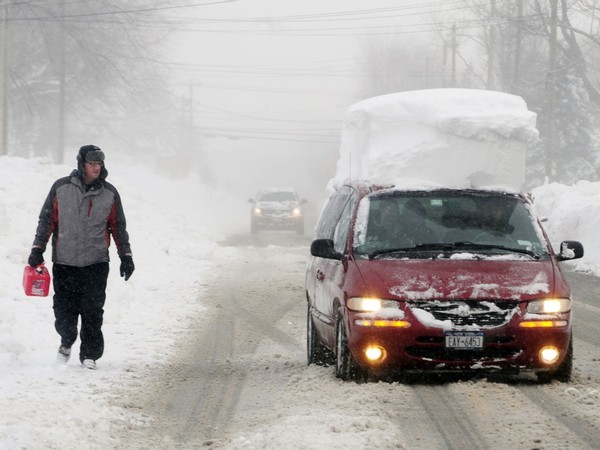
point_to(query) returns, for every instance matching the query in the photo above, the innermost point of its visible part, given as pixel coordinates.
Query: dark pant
(80, 291)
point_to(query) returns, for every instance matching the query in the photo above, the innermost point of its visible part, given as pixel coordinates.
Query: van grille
(464, 313)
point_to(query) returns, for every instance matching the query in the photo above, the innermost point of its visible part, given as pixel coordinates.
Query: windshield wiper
(436, 246)
(473, 245)
(453, 246)
(390, 250)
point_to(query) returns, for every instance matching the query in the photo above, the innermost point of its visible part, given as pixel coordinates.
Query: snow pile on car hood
(455, 138)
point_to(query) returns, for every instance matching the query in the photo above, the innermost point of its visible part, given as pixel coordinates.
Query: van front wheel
(345, 366)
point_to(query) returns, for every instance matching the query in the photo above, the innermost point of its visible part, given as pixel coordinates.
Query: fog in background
(246, 94)
(270, 81)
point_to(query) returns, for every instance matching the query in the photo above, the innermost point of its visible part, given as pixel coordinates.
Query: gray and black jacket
(81, 222)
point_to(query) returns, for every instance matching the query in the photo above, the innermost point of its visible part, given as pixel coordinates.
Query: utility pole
(445, 65)
(491, 50)
(550, 94)
(59, 153)
(514, 85)
(453, 55)
(190, 126)
(452, 47)
(5, 82)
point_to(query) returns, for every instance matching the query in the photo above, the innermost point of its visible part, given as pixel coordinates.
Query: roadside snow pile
(456, 138)
(572, 212)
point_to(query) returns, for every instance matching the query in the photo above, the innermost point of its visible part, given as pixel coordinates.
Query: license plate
(464, 340)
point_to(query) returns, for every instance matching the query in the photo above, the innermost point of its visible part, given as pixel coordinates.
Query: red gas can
(36, 281)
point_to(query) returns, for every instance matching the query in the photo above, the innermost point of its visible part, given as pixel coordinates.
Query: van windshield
(464, 221)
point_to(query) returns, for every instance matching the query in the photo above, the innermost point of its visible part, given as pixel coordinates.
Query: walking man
(81, 212)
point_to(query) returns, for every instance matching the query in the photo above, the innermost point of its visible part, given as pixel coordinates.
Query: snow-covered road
(240, 379)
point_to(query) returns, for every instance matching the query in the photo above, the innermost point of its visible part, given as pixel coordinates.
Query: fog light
(549, 355)
(374, 353)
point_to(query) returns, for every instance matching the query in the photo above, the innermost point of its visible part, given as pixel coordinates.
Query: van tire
(346, 367)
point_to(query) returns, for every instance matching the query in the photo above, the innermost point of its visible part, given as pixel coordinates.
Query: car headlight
(257, 211)
(366, 304)
(549, 306)
(296, 212)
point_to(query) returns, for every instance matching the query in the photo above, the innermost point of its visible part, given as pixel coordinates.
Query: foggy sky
(270, 82)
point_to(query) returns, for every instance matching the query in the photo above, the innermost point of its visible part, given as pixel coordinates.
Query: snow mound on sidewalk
(456, 138)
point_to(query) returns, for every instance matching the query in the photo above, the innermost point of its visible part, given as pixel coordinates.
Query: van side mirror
(251, 200)
(323, 248)
(570, 250)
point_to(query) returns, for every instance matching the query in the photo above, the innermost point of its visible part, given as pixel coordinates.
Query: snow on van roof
(454, 138)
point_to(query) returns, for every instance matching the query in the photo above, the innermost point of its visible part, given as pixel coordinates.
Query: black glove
(127, 266)
(36, 257)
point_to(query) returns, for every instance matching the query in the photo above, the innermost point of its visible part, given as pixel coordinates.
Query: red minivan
(437, 280)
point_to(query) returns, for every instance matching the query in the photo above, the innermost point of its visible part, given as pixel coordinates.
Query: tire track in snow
(209, 373)
(520, 415)
(452, 422)
(586, 306)
(587, 433)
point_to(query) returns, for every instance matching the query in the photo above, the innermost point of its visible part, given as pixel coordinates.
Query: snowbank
(572, 213)
(457, 138)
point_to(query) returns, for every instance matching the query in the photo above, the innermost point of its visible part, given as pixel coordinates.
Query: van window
(332, 212)
(340, 236)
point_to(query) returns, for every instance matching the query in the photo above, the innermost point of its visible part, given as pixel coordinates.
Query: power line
(274, 90)
(266, 137)
(184, 24)
(364, 14)
(123, 11)
(364, 29)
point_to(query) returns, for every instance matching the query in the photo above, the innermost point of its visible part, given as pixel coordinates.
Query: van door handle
(320, 275)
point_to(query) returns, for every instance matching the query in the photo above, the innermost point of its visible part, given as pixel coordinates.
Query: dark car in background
(277, 208)
(441, 281)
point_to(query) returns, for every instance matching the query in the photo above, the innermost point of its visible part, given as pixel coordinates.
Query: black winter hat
(91, 153)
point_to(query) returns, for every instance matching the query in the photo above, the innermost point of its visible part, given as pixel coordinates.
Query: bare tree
(80, 69)
(516, 45)
(392, 65)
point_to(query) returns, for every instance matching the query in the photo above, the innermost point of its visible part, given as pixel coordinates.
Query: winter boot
(63, 355)
(89, 364)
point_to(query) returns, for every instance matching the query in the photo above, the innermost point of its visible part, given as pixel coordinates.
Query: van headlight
(549, 306)
(367, 304)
